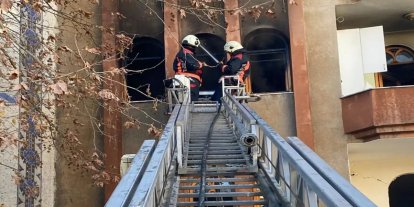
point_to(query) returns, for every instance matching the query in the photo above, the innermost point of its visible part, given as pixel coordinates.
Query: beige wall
(374, 165)
(278, 110)
(325, 84)
(8, 157)
(400, 38)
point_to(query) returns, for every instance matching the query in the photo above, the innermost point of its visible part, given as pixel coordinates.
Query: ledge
(380, 113)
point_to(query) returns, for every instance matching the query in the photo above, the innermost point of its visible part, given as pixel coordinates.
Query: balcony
(380, 113)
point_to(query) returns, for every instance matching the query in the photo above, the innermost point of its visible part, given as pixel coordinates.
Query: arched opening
(214, 44)
(268, 50)
(401, 191)
(146, 69)
(400, 61)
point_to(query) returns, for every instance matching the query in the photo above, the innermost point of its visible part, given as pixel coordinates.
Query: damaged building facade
(360, 121)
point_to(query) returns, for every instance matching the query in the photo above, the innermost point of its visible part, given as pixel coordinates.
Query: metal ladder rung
(226, 203)
(249, 179)
(220, 187)
(222, 161)
(221, 194)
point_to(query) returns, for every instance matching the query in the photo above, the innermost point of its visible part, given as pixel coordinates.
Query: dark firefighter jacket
(238, 64)
(186, 64)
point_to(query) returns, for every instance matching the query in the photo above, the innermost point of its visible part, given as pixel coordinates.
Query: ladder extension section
(239, 161)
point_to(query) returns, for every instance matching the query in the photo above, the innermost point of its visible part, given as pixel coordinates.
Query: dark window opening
(401, 191)
(400, 60)
(214, 44)
(268, 50)
(146, 69)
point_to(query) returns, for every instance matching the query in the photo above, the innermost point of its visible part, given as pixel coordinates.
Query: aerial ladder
(213, 154)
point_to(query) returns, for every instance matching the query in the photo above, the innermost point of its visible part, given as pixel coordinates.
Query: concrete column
(324, 83)
(171, 35)
(232, 21)
(111, 118)
(300, 73)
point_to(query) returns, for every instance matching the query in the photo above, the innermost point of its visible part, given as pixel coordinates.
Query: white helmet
(232, 46)
(191, 40)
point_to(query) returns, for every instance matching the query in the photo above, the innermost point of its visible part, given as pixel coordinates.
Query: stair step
(192, 180)
(232, 147)
(211, 170)
(213, 152)
(230, 156)
(221, 194)
(226, 203)
(222, 161)
(220, 187)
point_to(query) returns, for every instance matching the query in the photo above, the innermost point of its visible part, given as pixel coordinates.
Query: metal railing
(123, 192)
(151, 187)
(344, 187)
(241, 120)
(295, 173)
(295, 180)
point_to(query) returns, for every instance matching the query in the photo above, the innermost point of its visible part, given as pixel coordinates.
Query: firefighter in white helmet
(186, 64)
(238, 64)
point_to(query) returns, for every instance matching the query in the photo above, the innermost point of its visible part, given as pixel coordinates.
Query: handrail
(127, 186)
(181, 132)
(149, 193)
(290, 172)
(354, 196)
(243, 112)
(295, 173)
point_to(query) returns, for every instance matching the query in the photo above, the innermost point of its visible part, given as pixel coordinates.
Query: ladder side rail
(287, 162)
(126, 187)
(181, 129)
(248, 122)
(150, 190)
(247, 117)
(344, 187)
(238, 126)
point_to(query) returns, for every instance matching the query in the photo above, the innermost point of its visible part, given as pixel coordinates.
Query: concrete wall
(8, 156)
(147, 113)
(400, 38)
(138, 15)
(194, 24)
(325, 84)
(75, 188)
(9, 111)
(278, 110)
(278, 20)
(374, 165)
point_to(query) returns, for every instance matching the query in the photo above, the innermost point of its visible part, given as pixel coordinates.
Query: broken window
(268, 50)
(145, 69)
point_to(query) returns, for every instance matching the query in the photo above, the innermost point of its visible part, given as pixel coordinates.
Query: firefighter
(238, 64)
(186, 64)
